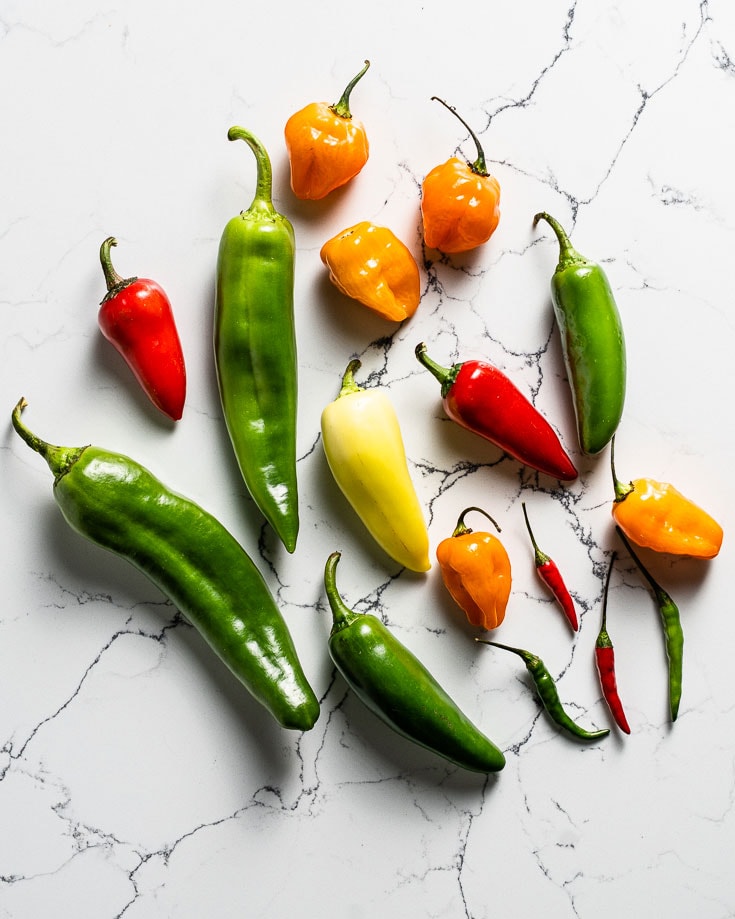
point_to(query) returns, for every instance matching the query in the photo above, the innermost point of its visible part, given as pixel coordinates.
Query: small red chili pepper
(549, 573)
(478, 397)
(605, 659)
(136, 317)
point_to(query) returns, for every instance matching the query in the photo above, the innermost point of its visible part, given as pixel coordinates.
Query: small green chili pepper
(592, 341)
(255, 348)
(117, 504)
(396, 686)
(673, 632)
(547, 691)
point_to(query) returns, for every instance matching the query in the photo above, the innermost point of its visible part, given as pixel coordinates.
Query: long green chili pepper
(547, 691)
(673, 632)
(255, 348)
(117, 504)
(396, 686)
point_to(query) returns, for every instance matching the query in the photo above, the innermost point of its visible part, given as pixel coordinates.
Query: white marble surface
(137, 779)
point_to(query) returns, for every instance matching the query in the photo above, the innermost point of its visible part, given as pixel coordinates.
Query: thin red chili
(549, 573)
(605, 659)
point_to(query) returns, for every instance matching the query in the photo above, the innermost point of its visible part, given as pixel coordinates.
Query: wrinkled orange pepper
(476, 571)
(326, 146)
(371, 265)
(460, 201)
(656, 516)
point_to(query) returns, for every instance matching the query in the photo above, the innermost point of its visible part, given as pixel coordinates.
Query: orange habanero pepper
(460, 201)
(656, 516)
(475, 569)
(326, 146)
(371, 265)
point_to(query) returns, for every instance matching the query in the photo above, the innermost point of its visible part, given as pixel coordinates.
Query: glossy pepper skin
(397, 687)
(364, 448)
(255, 348)
(371, 265)
(116, 503)
(460, 201)
(479, 397)
(657, 516)
(476, 571)
(592, 342)
(605, 661)
(549, 573)
(326, 146)
(135, 315)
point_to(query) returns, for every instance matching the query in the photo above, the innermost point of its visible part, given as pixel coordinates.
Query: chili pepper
(673, 632)
(116, 503)
(326, 146)
(478, 397)
(657, 516)
(371, 265)
(476, 571)
(549, 573)
(136, 317)
(592, 342)
(365, 452)
(605, 660)
(255, 348)
(548, 693)
(388, 679)
(460, 201)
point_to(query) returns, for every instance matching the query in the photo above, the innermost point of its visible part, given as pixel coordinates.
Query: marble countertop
(137, 777)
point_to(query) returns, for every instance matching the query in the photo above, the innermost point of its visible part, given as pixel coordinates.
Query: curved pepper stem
(568, 255)
(59, 459)
(621, 490)
(461, 529)
(342, 108)
(530, 660)
(263, 199)
(445, 375)
(603, 639)
(349, 385)
(342, 615)
(540, 558)
(115, 282)
(479, 167)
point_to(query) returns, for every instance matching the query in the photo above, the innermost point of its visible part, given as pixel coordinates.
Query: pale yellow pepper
(364, 449)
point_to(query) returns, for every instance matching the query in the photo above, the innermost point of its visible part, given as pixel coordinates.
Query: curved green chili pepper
(396, 686)
(117, 504)
(255, 348)
(592, 341)
(673, 632)
(547, 691)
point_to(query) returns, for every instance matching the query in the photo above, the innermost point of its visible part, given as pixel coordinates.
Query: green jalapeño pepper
(255, 348)
(592, 342)
(117, 504)
(396, 686)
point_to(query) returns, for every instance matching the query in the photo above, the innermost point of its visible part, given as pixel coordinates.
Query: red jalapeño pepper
(605, 660)
(549, 573)
(480, 398)
(136, 317)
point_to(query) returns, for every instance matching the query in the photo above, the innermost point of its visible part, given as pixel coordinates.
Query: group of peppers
(121, 506)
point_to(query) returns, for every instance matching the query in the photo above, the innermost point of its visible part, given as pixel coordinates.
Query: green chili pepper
(673, 632)
(547, 691)
(255, 348)
(396, 686)
(192, 558)
(592, 341)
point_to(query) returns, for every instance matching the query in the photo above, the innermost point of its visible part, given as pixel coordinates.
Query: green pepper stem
(621, 490)
(603, 639)
(461, 529)
(568, 255)
(263, 199)
(529, 659)
(342, 108)
(342, 615)
(59, 459)
(540, 558)
(115, 282)
(479, 167)
(445, 375)
(348, 380)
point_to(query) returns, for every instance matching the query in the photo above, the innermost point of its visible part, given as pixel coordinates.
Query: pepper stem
(115, 282)
(461, 529)
(526, 656)
(621, 491)
(603, 639)
(540, 558)
(348, 380)
(446, 376)
(479, 167)
(59, 459)
(568, 255)
(342, 108)
(342, 615)
(263, 199)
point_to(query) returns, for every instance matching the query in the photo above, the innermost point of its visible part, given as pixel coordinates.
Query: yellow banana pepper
(364, 448)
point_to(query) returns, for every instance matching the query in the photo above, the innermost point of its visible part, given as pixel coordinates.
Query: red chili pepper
(136, 316)
(478, 397)
(549, 573)
(605, 659)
